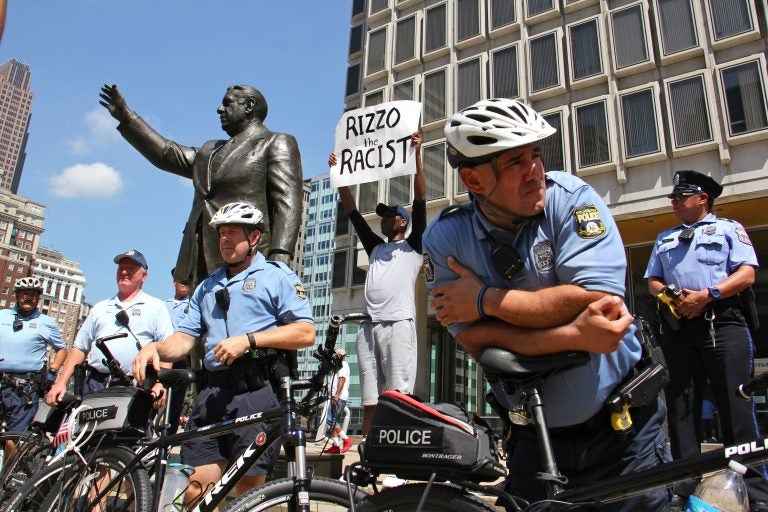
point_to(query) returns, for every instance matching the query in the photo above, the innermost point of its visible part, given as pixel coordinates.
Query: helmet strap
(488, 207)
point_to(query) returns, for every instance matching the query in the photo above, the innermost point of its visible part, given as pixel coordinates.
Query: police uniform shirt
(23, 350)
(717, 249)
(178, 309)
(573, 241)
(148, 321)
(265, 295)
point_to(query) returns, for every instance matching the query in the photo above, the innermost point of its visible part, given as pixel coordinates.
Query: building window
(638, 117)
(468, 90)
(378, 5)
(504, 64)
(400, 190)
(544, 61)
(586, 58)
(730, 18)
(678, 26)
(552, 147)
(353, 80)
(405, 40)
(358, 274)
(434, 96)
(539, 6)
(369, 197)
(403, 91)
(339, 278)
(690, 111)
(502, 13)
(355, 39)
(435, 33)
(467, 19)
(434, 170)
(342, 222)
(744, 90)
(374, 98)
(592, 134)
(629, 39)
(377, 46)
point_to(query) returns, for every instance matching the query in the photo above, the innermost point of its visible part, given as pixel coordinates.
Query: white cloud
(87, 180)
(100, 129)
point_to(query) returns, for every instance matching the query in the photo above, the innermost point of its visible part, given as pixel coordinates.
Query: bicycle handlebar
(110, 361)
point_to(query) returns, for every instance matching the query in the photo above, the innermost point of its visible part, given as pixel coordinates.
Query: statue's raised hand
(112, 100)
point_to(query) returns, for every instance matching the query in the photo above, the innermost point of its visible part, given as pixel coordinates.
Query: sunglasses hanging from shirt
(504, 258)
(122, 319)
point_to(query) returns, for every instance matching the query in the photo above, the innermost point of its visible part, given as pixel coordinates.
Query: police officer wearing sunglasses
(535, 264)
(26, 333)
(712, 261)
(244, 312)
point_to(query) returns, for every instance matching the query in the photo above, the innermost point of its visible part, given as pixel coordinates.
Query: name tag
(99, 414)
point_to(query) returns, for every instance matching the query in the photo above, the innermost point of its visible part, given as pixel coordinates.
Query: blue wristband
(480, 297)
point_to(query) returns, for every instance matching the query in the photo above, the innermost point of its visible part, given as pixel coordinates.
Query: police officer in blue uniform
(178, 307)
(240, 310)
(25, 333)
(711, 262)
(535, 265)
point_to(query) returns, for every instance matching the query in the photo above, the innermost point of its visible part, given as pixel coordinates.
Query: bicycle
(67, 484)
(527, 373)
(23, 453)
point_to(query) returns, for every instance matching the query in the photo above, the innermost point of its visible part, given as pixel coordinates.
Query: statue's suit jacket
(256, 166)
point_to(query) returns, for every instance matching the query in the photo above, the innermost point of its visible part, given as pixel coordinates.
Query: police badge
(300, 291)
(544, 256)
(249, 285)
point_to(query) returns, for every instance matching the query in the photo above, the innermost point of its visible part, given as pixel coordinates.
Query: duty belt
(244, 375)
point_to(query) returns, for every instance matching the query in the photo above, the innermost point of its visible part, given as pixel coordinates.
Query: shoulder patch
(429, 269)
(742, 235)
(588, 223)
(300, 291)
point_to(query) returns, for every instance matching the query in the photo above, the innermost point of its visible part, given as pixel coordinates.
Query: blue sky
(172, 60)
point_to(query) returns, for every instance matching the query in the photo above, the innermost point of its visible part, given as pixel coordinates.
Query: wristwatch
(714, 292)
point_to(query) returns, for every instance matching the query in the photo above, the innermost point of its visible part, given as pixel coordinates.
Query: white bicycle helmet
(28, 283)
(238, 213)
(478, 133)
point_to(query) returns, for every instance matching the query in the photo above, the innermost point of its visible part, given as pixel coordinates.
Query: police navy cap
(134, 256)
(397, 209)
(693, 182)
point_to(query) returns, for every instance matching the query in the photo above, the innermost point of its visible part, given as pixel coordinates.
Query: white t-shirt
(344, 372)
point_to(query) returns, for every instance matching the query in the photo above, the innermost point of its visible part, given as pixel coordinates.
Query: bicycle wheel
(325, 495)
(18, 464)
(70, 485)
(441, 498)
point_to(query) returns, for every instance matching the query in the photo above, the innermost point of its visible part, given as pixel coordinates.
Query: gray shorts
(386, 356)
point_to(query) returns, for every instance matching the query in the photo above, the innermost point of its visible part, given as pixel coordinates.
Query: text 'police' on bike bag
(124, 410)
(413, 439)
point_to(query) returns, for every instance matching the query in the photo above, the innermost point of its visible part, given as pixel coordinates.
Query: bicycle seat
(517, 369)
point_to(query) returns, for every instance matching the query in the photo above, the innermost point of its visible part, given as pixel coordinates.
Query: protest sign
(374, 143)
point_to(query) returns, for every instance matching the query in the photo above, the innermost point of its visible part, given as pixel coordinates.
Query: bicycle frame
(294, 439)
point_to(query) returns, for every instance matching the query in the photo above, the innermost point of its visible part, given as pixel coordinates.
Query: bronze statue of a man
(254, 165)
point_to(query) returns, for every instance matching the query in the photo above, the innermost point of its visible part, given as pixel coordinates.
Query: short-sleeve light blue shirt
(262, 297)
(573, 241)
(23, 350)
(718, 248)
(148, 322)
(178, 309)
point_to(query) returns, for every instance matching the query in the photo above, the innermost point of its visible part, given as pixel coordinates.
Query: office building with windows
(321, 214)
(637, 89)
(21, 225)
(15, 114)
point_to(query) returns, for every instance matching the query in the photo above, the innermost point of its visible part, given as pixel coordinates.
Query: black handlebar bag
(414, 439)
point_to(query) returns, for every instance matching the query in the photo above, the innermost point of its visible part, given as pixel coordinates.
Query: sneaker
(347, 445)
(393, 481)
(332, 449)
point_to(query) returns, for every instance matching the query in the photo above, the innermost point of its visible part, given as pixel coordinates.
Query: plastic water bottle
(725, 491)
(175, 483)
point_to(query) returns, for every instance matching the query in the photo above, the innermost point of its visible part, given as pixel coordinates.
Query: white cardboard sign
(374, 143)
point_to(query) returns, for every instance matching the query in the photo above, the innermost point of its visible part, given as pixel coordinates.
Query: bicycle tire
(405, 498)
(64, 486)
(32, 448)
(325, 494)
